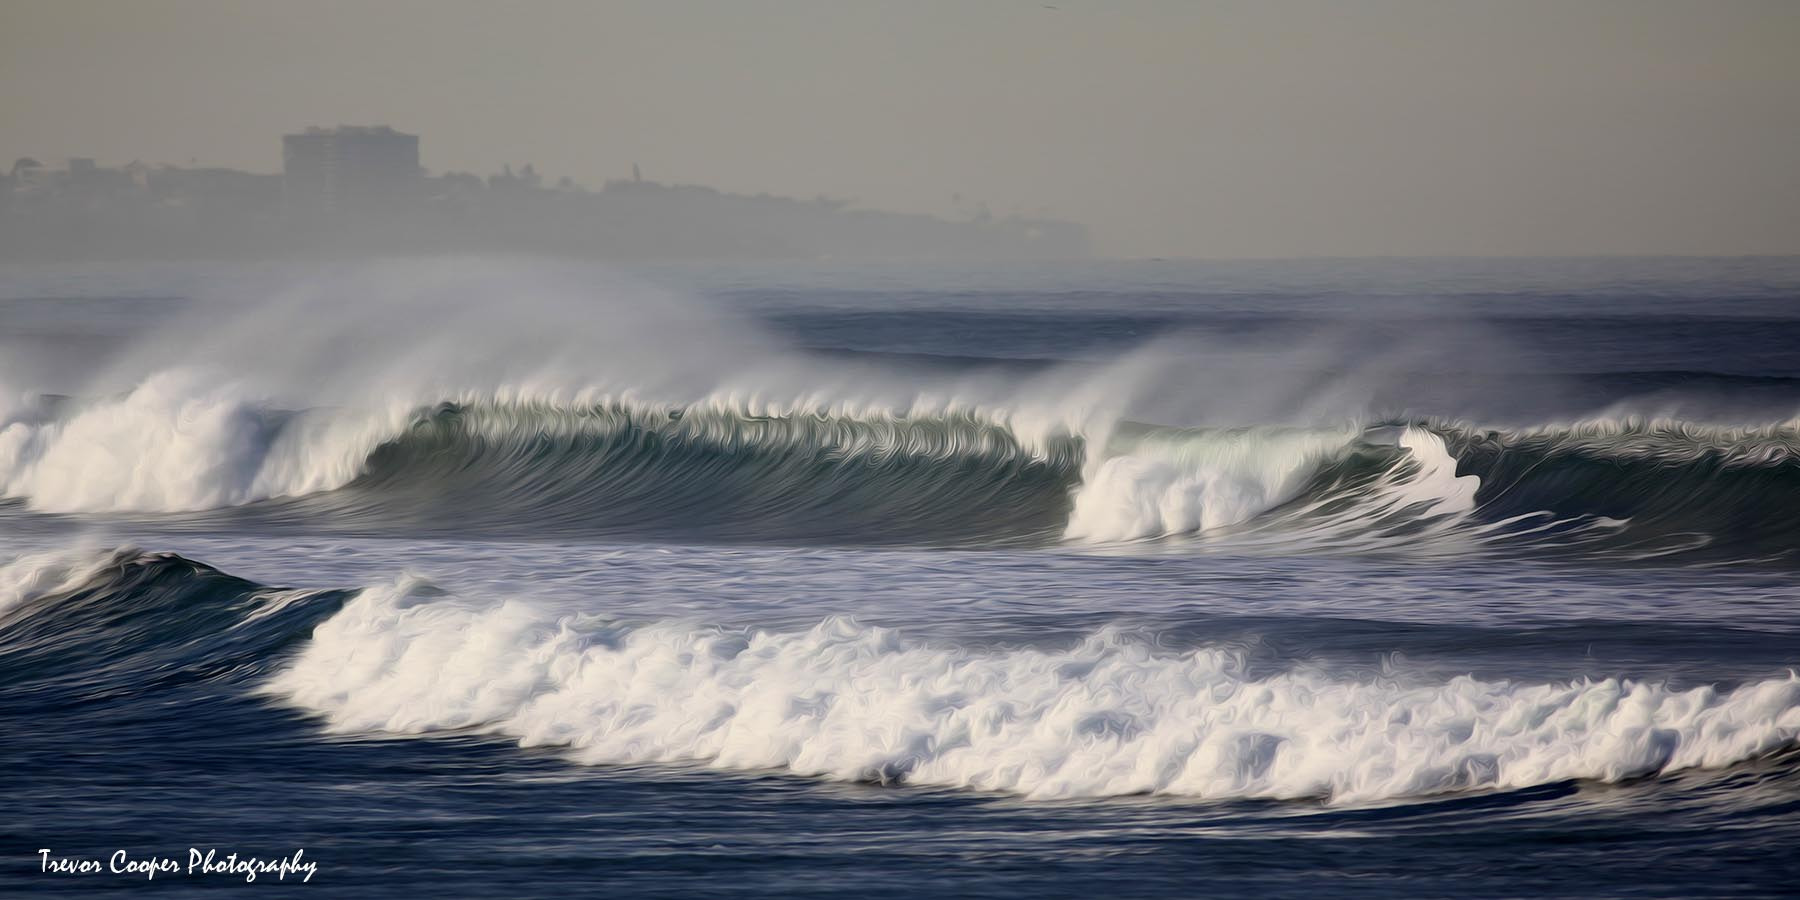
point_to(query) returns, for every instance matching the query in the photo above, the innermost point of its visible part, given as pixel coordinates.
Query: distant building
(348, 170)
(30, 175)
(86, 177)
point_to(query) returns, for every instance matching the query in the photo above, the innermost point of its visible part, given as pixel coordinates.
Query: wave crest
(742, 470)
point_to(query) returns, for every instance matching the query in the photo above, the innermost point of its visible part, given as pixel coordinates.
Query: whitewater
(1196, 566)
(1108, 716)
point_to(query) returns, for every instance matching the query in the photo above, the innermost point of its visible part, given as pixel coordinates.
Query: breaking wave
(1107, 714)
(730, 469)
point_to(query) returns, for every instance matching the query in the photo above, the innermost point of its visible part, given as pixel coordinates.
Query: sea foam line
(1110, 715)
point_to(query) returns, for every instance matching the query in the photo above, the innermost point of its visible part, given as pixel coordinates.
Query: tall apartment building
(348, 170)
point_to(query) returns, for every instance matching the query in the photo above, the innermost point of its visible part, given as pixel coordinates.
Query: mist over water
(520, 396)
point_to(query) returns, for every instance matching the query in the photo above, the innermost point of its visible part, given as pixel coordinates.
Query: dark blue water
(1448, 578)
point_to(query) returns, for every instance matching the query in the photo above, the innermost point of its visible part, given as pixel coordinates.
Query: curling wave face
(737, 470)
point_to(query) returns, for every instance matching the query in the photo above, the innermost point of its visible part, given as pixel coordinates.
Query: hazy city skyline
(1171, 129)
(361, 192)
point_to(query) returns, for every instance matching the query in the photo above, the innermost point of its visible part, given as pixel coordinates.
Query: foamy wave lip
(1190, 482)
(32, 575)
(1181, 483)
(188, 440)
(1109, 716)
(181, 441)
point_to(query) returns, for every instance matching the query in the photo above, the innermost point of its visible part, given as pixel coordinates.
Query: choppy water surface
(1446, 578)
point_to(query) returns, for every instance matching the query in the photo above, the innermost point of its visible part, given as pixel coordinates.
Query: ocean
(509, 577)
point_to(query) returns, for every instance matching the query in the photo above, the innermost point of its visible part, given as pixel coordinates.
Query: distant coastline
(353, 192)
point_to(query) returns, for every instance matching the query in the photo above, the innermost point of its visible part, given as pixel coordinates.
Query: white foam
(1111, 715)
(1190, 482)
(180, 441)
(1434, 484)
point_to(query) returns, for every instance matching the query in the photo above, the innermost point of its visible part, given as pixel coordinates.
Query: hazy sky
(1348, 127)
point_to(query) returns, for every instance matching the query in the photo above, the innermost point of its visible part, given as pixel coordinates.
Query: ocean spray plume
(586, 402)
(417, 331)
(360, 351)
